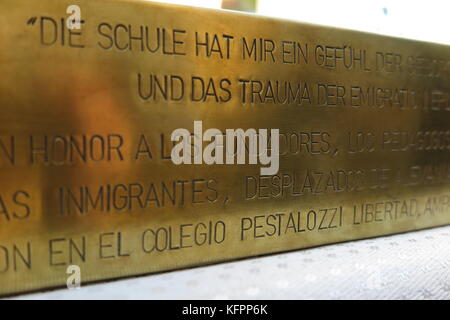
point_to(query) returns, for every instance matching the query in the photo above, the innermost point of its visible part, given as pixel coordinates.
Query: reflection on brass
(85, 137)
(240, 5)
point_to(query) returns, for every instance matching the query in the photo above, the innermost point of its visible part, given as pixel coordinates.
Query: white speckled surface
(414, 265)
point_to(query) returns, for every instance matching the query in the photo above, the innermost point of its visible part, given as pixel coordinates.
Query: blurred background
(415, 19)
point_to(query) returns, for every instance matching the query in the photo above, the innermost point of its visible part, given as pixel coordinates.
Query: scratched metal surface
(414, 265)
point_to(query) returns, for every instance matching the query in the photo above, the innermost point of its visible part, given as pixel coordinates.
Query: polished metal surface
(87, 116)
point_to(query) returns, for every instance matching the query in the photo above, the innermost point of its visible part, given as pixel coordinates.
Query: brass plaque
(91, 95)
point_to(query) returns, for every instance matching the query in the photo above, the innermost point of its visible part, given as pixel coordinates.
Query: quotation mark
(31, 21)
